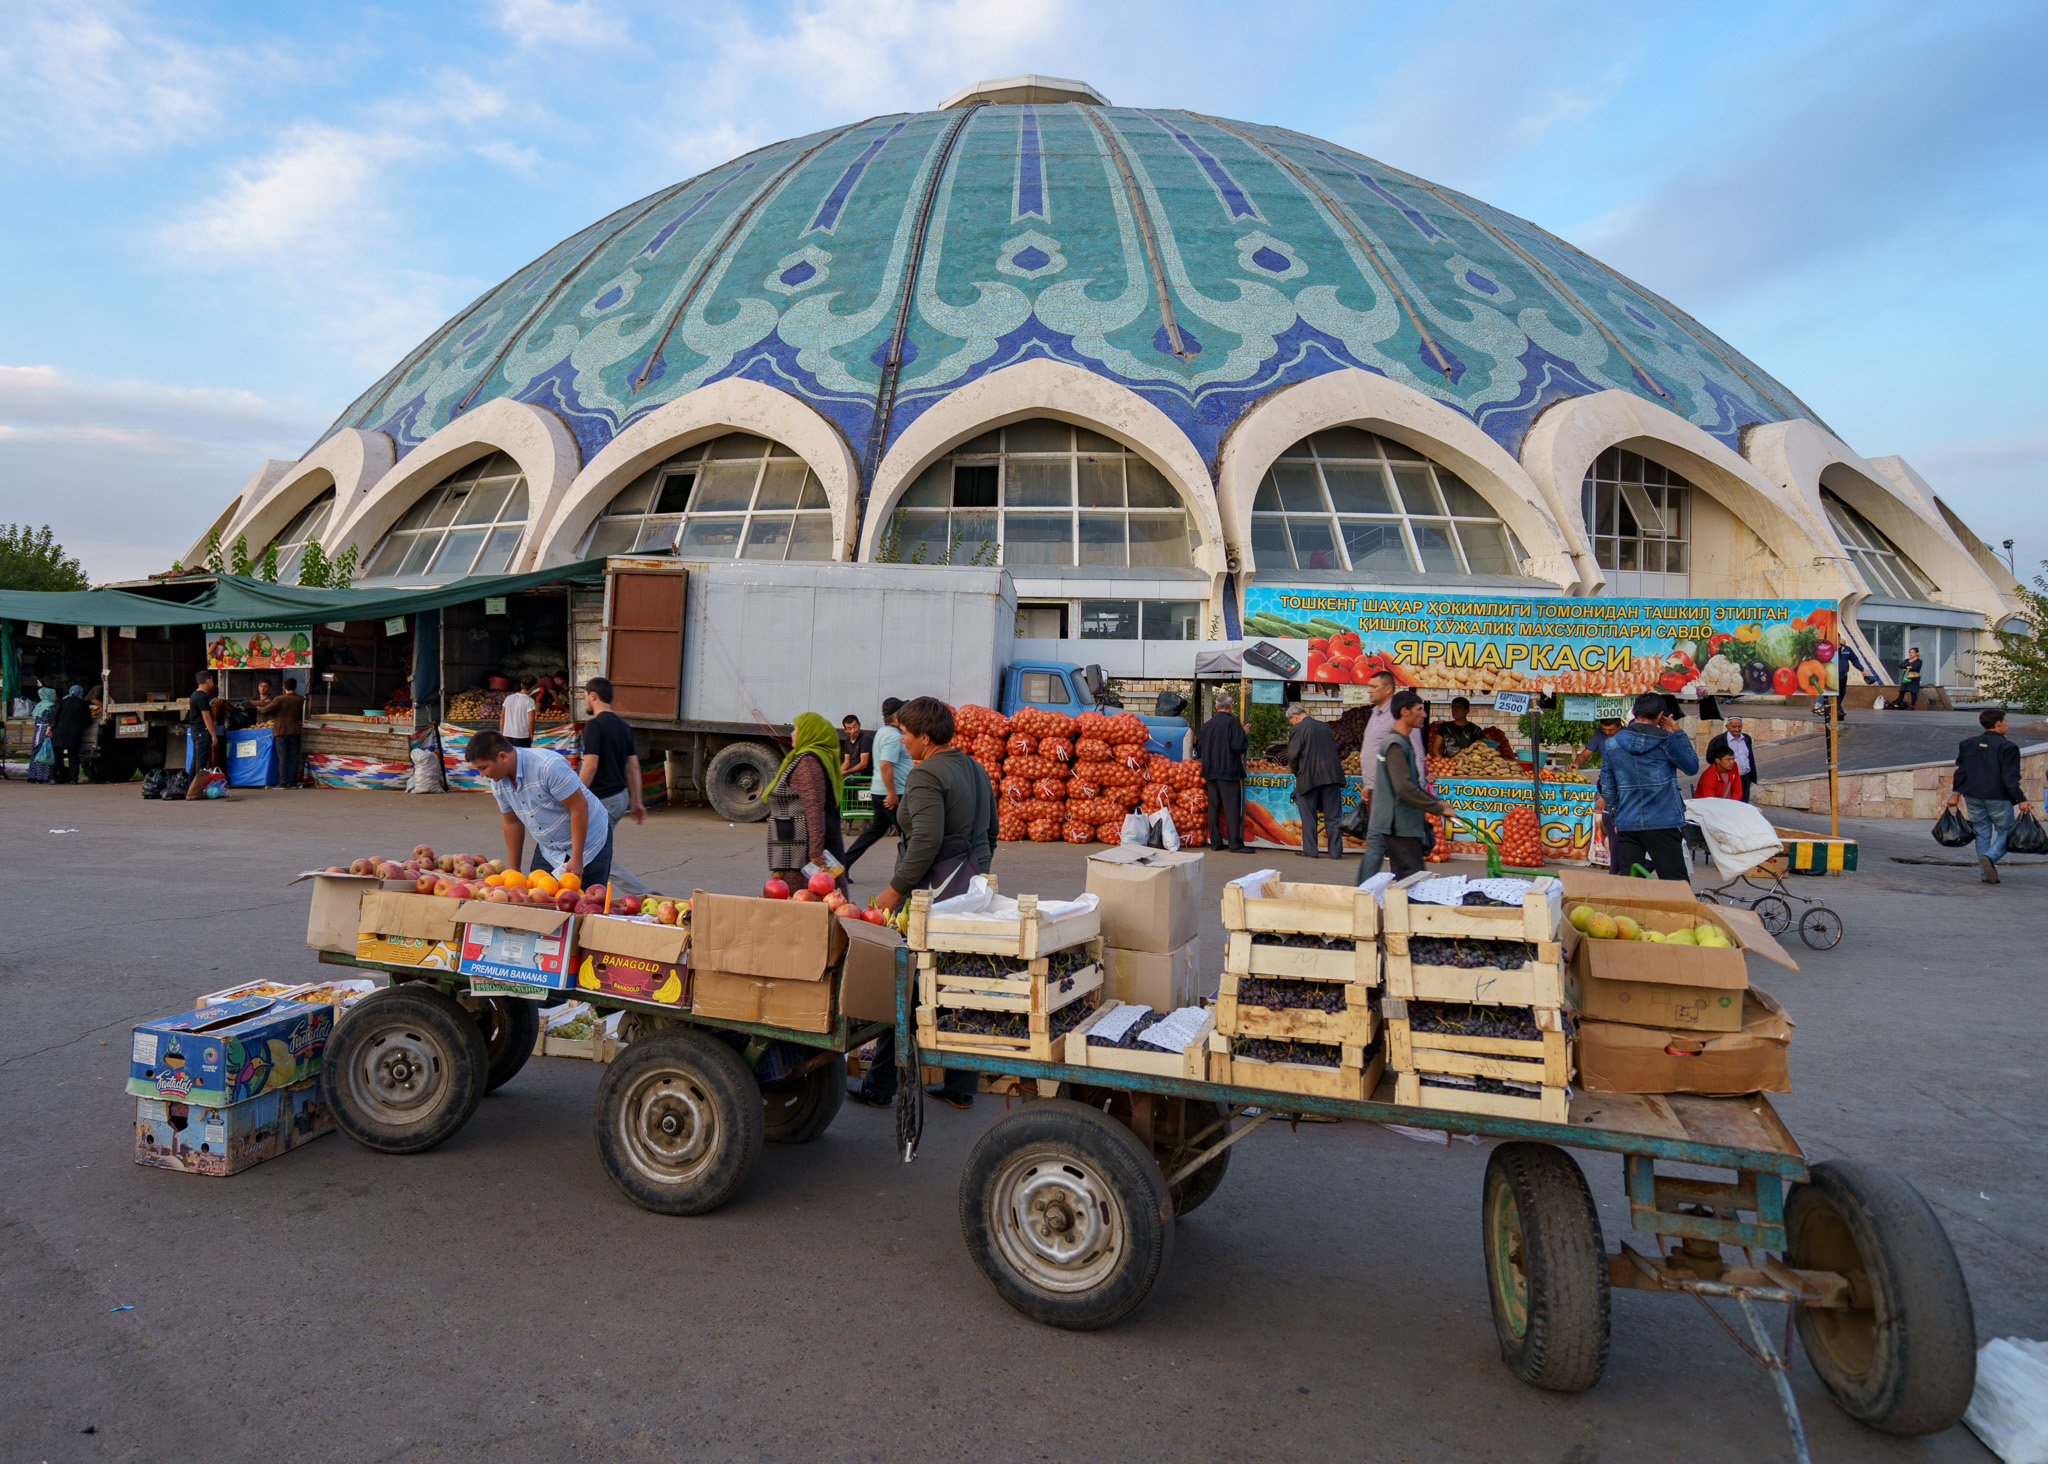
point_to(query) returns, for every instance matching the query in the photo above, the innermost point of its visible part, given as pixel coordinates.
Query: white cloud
(510, 155)
(574, 22)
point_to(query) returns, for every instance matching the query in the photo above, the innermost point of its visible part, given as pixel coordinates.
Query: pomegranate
(775, 889)
(822, 884)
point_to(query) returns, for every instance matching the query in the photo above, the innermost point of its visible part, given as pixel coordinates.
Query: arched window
(1640, 516)
(306, 526)
(735, 497)
(1037, 495)
(468, 524)
(1887, 571)
(1348, 500)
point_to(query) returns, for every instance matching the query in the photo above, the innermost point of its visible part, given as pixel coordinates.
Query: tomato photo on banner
(1564, 831)
(1570, 644)
(258, 650)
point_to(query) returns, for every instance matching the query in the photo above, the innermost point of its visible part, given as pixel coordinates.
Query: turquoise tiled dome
(1203, 263)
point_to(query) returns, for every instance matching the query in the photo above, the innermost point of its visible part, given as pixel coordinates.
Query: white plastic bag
(1738, 835)
(2009, 1410)
(1137, 830)
(426, 771)
(1164, 834)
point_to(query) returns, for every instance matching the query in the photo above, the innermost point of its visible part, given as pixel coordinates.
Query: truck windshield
(1046, 688)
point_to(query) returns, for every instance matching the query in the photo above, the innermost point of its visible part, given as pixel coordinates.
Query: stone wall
(1911, 792)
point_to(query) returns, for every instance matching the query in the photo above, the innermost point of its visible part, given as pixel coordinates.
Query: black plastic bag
(1353, 824)
(153, 783)
(1952, 830)
(176, 784)
(2027, 837)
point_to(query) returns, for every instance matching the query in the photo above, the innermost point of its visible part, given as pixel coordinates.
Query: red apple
(462, 889)
(806, 896)
(388, 870)
(498, 894)
(775, 889)
(567, 902)
(443, 885)
(423, 853)
(362, 866)
(628, 905)
(595, 892)
(822, 884)
(424, 885)
(336, 869)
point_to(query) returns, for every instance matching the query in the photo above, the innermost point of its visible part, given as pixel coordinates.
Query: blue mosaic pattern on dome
(727, 276)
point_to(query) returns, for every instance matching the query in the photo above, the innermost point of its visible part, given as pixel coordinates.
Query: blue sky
(223, 221)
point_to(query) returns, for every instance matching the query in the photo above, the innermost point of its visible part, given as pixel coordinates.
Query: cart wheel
(510, 1026)
(679, 1122)
(1905, 1361)
(798, 1111)
(1775, 911)
(1707, 897)
(404, 1070)
(1066, 1214)
(1821, 928)
(1546, 1267)
(1190, 1193)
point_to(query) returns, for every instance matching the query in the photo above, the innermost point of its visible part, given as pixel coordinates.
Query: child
(1720, 780)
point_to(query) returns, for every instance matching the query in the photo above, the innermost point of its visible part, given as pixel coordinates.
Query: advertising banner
(1579, 646)
(258, 650)
(1272, 821)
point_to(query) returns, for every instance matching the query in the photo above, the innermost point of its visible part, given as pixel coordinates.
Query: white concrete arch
(1797, 557)
(538, 440)
(1042, 388)
(259, 483)
(350, 462)
(1354, 398)
(731, 405)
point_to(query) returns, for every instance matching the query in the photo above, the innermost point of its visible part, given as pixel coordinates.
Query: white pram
(1741, 841)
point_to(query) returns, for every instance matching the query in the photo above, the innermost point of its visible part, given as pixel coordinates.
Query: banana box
(221, 1055)
(643, 959)
(194, 1139)
(523, 943)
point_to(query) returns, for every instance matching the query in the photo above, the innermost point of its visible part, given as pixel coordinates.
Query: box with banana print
(636, 958)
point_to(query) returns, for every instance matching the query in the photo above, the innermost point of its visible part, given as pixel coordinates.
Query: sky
(224, 221)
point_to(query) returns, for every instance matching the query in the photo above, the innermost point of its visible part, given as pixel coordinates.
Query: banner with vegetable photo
(1564, 831)
(259, 650)
(1597, 647)
(1271, 820)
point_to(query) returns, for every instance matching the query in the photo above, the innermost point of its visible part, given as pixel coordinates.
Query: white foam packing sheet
(1175, 1030)
(1254, 884)
(982, 903)
(1376, 886)
(1119, 1020)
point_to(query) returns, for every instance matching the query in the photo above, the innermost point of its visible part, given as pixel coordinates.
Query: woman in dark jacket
(67, 733)
(1221, 748)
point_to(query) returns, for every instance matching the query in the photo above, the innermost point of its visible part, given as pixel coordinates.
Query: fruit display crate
(1355, 1023)
(1034, 990)
(1536, 982)
(1042, 1039)
(1246, 954)
(1552, 1105)
(1355, 1076)
(1191, 1063)
(1301, 909)
(1539, 917)
(1025, 937)
(1543, 1062)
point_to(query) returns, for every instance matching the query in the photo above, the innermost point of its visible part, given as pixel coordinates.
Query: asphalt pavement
(497, 1298)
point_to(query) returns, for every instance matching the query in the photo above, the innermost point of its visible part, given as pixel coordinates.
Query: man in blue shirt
(892, 775)
(1639, 769)
(541, 793)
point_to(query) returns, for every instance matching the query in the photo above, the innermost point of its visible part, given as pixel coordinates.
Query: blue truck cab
(1061, 686)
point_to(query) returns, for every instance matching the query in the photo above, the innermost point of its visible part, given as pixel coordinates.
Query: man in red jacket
(1720, 780)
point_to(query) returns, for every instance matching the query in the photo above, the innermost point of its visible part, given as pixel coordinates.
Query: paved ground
(497, 1298)
(1880, 740)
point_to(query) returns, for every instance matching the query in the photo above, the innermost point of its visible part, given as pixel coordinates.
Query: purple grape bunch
(1129, 1040)
(973, 1022)
(1501, 1087)
(1455, 1019)
(1273, 1049)
(1276, 993)
(1470, 955)
(1304, 942)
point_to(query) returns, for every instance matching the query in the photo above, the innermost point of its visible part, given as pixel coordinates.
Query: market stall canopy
(91, 607)
(1228, 662)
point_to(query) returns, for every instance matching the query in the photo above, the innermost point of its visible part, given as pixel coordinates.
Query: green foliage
(313, 566)
(889, 547)
(2017, 672)
(238, 557)
(1557, 732)
(1265, 725)
(214, 563)
(267, 568)
(342, 569)
(32, 559)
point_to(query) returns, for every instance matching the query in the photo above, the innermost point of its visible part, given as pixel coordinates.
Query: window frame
(658, 532)
(433, 519)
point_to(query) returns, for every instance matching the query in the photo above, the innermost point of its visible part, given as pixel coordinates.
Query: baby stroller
(1742, 845)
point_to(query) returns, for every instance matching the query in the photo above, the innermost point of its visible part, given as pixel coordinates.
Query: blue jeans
(1992, 819)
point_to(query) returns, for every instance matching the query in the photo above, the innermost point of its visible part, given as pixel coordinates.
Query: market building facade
(1145, 359)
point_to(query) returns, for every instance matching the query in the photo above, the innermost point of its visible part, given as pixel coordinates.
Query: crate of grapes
(1528, 1045)
(1268, 903)
(1296, 1009)
(1126, 1050)
(1526, 973)
(1025, 936)
(1493, 1097)
(1006, 1006)
(1311, 1069)
(1485, 909)
(1302, 956)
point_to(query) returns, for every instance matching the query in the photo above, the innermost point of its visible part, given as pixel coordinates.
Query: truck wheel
(510, 1026)
(404, 1070)
(737, 782)
(1546, 1267)
(1191, 1192)
(1066, 1214)
(1904, 1360)
(800, 1110)
(679, 1122)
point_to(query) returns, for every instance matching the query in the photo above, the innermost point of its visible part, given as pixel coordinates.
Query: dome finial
(1013, 90)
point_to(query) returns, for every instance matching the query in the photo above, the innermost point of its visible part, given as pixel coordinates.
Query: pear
(1601, 927)
(1713, 936)
(1581, 917)
(1680, 937)
(1627, 929)
(1652, 937)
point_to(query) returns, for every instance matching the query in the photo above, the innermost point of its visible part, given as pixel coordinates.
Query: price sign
(1353, 696)
(1581, 708)
(1511, 703)
(1268, 693)
(494, 604)
(35, 629)
(395, 626)
(1611, 709)
(336, 625)
(87, 632)
(127, 632)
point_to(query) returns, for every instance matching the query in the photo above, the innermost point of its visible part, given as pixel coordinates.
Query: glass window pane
(1652, 472)
(1038, 482)
(933, 488)
(988, 442)
(1315, 547)
(416, 516)
(458, 551)
(1397, 452)
(1300, 449)
(657, 534)
(1376, 545)
(781, 484)
(631, 499)
(1609, 461)
(1149, 488)
(611, 536)
(714, 538)
(923, 540)
(1045, 688)
(1631, 470)
(1095, 442)
(675, 493)
(1172, 620)
(1418, 492)
(1603, 552)
(1269, 543)
(1434, 543)
(1038, 538)
(1603, 514)
(1102, 539)
(418, 553)
(811, 538)
(1653, 556)
(1346, 442)
(1359, 488)
(1038, 436)
(776, 449)
(514, 511)
(1159, 541)
(814, 492)
(481, 507)
(1486, 549)
(1268, 499)
(1109, 620)
(1301, 491)
(739, 445)
(497, 555)
(1462, 498)
(1677, 556)
(768, 537)
(1102, 482)
(387, 558)
(724, 487)
(287, 563)
(974, 485)
(1625, 553)
(974, 538)
(443, 510)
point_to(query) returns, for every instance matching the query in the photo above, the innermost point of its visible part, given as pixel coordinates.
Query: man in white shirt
(1379, 728)
(892, 776)
(541, 793)
(515, 717)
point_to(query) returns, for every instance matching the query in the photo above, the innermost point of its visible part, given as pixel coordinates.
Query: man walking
(287, 713)
(1400, 804)
(515, 717)
(892, 776)
(610, 769)
(1221, 747)
(1987, 784)
(1736, 741)
(1639, 770)
(1318, 780)
(1379, 727)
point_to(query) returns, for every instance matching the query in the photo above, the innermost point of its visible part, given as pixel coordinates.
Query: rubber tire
(1117, 1156)
(730, 764)
(510, 1026)
(1563, 1343)
(1922, 1363)
(1191, 1193)
(435, 1020)
(799, 1111)
(720, 1080)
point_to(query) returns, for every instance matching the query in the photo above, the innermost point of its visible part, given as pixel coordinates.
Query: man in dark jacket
(1221, 748)
(67, 733)
(1737, 741)
(1639, 770)
(1318, 780)
(1400, 804)
(1987, 784)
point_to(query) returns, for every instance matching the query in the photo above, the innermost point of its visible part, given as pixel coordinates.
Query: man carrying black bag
(1987, 784)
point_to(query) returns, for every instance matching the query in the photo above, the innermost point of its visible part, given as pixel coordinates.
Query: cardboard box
(221, 1055)
(1703, 1006)
(805, 1006)
(867, 992)
(194, 1139)
(1151, 898)
(1618, 1058)
(1160, 980)
(1663, 985)
(399, 929)
(781, 940)
(530, 944)
(634, 958)
(336, 916)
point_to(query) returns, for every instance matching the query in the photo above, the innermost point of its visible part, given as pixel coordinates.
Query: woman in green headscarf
(811, 774)
(42, 758)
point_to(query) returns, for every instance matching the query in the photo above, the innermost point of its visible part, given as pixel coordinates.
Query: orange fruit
(512, 879)
(570, 882)
(541, 880)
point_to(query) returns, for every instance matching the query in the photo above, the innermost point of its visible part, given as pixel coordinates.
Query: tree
(267, 567)
(214, 563)
(313, 566)
(32, 559)
(2017, 672)
(238, 557)
(341, 569)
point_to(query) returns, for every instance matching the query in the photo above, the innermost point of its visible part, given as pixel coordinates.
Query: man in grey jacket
(1400, 804)
(1318, 780)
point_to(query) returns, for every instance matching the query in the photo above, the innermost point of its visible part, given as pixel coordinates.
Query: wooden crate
(1545, 1062)
(1352, 1078)
(1040, 1046)
(1540, 983)
(1356, 1025)
(1302, 909)
(1539, 918)
(1247, 957)
(1027, 937)
(1410, 1092)
(1030, 992)
(1192, 1063)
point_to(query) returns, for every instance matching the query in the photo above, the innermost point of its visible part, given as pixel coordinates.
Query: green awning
(92, 607)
